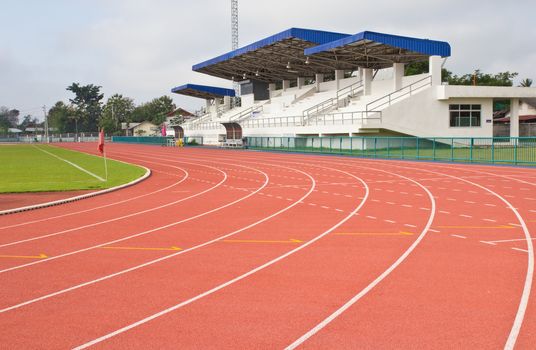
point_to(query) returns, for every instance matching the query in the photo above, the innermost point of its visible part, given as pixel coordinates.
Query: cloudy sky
(143, 48)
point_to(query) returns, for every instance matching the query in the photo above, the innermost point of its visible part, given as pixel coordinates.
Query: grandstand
(304, 82)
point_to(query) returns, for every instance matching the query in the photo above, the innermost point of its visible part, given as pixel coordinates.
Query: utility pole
(46, 123)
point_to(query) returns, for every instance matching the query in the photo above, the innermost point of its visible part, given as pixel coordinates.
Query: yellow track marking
(141, 248)
(401, 233)
(260, 241)
(40, 256)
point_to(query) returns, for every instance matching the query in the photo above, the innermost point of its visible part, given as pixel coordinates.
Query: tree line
(86, 111)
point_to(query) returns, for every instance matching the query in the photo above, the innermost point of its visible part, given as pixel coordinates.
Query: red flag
(163, 131)
(101, 141)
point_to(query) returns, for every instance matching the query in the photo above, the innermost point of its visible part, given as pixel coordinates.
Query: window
(465, 115)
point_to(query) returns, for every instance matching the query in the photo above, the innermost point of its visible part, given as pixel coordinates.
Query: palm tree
(525, 82)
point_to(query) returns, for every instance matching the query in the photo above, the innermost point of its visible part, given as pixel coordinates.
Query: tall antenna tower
(234, 33)
(234, 24)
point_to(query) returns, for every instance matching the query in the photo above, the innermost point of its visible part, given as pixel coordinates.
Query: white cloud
(143, 48)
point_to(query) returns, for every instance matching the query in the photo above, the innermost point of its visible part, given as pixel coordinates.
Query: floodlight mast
(234, 32)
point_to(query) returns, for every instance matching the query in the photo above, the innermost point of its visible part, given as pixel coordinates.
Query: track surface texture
(233, 249)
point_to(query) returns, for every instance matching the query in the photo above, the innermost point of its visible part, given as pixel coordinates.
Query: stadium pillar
(435, 70)
(514, 117)
(367, 81)
(398, 74)
(208, 104)
(301, 82)
(227, 102)
(339, 75)
(286, 84)
(360, 73)
(319, 78)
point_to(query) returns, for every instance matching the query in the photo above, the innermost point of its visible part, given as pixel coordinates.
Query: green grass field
(27, 168)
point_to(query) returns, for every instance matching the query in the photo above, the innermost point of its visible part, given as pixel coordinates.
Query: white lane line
(186, 175)
(432, 230)
(381, 277)
(63, 291)
(509, 240)
(72, 164)
(459, 236)
(371, 217)
(521, 250)
(490, 220)
(422, 208)
(409, 225)
(444, 212)
(390, 221)
(145, 232)
(487, 242)
(490, 205)
(465, 216)
(116, 218)
(234, 280)
(407, 206)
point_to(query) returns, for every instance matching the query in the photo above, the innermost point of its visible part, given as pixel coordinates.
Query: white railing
(398, 94)
(341, 96)
(246, 113)
(349, 118)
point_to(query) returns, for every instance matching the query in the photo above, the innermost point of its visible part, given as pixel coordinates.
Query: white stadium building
(312, 83)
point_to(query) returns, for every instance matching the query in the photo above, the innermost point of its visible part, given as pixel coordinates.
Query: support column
(367, 81)
(227, 102)
(435, 70)
(208, 104)
(217, 104)
(301, 82)
(319, 78)
(360, 73)
(398, 74)
(286, 84)
(339, 75)
(271, 87)
(514, 117)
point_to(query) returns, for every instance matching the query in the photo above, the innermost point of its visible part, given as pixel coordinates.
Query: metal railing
(492, 150)
(347, 118)
(393, 96)
(341, 95)
(246, 113)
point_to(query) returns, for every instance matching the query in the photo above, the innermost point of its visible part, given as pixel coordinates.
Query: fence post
(433, 148)
(492, 150)
(515, 150)
(471, 149)
(375, 147)
(418, 153)
(452, 149)
(402, 148)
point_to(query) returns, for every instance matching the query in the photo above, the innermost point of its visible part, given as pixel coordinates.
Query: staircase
(341, 99)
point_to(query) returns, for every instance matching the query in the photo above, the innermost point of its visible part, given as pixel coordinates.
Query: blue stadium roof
(268, 59)
(312, 36)
(377, 50)
(203, 91)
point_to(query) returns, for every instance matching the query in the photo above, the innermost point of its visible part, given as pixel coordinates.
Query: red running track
(241, 249)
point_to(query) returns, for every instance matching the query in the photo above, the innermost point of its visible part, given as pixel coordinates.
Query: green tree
(154, 111)
(4, 121)
(117, 110)
(88, 105)
(526, 82)
(62, 117)
(483, 79)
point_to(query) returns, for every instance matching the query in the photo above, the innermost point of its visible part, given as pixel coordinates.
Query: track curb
(77, 198)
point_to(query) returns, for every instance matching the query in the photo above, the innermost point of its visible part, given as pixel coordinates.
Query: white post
(105, 165)
(301, 82)
(227, 102)
(398, 74)
(435, 70)
(367, 81)
(339, 75)
(514, 117)
(286, 84)
(319, 78)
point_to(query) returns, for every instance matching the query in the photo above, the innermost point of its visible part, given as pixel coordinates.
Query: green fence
(157, 140)
(146, 140)
(518, 150)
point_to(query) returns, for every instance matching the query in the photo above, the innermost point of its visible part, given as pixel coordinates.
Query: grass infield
(26, 168)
